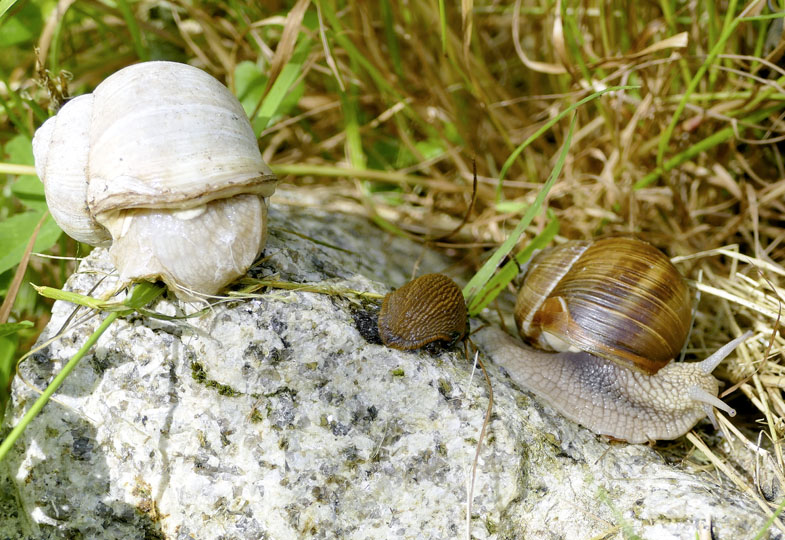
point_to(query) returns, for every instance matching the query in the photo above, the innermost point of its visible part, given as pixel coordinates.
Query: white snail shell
(160, 162)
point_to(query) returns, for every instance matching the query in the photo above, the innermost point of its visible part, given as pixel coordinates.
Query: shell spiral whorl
(619, 298)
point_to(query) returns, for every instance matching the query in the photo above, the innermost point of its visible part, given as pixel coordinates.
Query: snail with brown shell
(614, 313)
(608, 317)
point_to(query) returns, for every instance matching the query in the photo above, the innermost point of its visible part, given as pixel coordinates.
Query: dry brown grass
(389, 97)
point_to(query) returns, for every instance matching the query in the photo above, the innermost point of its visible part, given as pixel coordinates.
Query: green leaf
(27, 187)
(30, 191)
(14, 32)
(249, 83)
(20, 150)
(24, 26)
(8, 346)
(15, 233)
(12, 328)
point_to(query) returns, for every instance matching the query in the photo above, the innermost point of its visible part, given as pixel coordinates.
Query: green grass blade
(284, 82)
(7, 329)
(17, 431)
(16, 168)
(392, 39)
(142, 294)
(388, 226)
(133, 28)
(54, 46)
(730, 11)
(762, 533)
(12, 106)
(508, 272)
(443, 25)
(15, 233)
(478, 281)
(339, 34)
(8, 346)
(351, 127)
(727, 31)
(145, 292)
(545, 127)
(713, 140)
(572, 38)
(5, 5)
(75, 298)
(670, 19)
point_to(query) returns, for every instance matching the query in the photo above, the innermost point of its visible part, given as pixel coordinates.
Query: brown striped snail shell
(617, 298)
(427, 309)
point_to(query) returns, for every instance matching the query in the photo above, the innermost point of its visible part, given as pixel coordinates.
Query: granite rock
(274, 417)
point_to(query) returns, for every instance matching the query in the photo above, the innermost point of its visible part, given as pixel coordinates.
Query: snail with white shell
(159, 163)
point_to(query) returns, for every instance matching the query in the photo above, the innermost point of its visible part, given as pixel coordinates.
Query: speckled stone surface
(273, 418)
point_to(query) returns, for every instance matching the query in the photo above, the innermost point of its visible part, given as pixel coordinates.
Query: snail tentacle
(708, 401)
(709, 364)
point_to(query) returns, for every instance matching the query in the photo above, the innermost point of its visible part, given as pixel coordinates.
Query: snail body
(622, 383)
(160, 164)
(427, 309)
(609, 398)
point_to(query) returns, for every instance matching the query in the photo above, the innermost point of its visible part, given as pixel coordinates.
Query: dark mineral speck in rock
(278, 326)
(82, 448)
(366, 322)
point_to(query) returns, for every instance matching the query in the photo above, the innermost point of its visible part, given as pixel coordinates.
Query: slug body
(614, 313)
(609, 398)
(160, 164)
(427, 309)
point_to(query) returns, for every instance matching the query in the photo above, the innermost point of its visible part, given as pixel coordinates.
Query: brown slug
(427, 309)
